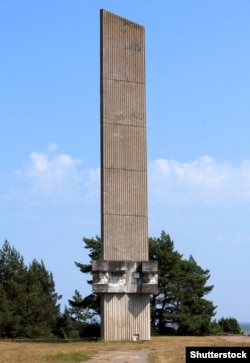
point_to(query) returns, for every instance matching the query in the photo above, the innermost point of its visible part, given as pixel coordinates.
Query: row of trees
(28, 300)
(29, 303)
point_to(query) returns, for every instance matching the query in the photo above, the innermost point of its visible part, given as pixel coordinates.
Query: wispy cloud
(59, 176)
(54, 175)
(202, 180)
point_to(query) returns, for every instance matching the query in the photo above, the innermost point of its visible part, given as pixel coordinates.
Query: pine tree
(94, 247)
(91, 301)
(28, 300)
(13, 296)
(78, 313)
(43, 308)
(180, 306)
(229, 325)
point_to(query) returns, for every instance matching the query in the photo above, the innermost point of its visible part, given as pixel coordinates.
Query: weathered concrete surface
(124, 211)
(123, 140)
(131, 356)
(125, 277)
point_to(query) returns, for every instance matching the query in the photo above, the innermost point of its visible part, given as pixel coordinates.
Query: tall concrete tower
(124, 277)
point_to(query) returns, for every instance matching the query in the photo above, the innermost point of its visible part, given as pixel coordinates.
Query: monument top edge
(109, 15)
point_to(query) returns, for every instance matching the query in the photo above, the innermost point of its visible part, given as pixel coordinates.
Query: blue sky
(198, 131)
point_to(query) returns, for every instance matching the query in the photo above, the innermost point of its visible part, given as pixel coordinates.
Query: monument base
(125, 316)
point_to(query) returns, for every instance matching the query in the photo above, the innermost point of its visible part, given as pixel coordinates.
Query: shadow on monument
(137, 304)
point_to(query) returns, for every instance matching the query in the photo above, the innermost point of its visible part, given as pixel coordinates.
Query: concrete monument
(124, 277)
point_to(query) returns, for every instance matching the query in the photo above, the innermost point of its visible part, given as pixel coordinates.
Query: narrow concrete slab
(132, 356)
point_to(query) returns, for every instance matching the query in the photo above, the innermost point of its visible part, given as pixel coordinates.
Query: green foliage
(180, 306)
(215, 327)
(28, 301)
(94, 247)
(91, 302)
(44, 309)
(65, 328)
(76, 311)
(229, 325)
(84, 318)
(79, 320)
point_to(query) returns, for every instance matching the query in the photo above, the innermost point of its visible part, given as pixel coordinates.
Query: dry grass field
(172, 349)
(161, 349)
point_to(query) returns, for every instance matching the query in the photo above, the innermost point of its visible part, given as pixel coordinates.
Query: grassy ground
(162, 349)
(173, 349)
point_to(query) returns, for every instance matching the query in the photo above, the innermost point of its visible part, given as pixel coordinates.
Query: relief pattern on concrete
(125, 277)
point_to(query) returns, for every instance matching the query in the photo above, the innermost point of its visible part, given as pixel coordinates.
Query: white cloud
(202, 180)
(51, 174)
(57, 175)
(52, 147)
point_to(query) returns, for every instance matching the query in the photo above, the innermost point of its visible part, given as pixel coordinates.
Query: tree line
(30, 305)
(28, 301)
